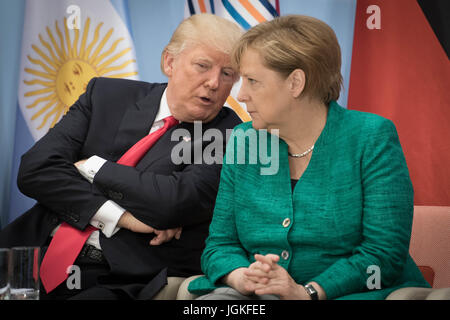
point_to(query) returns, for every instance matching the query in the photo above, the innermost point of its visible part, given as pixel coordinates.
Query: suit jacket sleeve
(47, 172)
(163, 201)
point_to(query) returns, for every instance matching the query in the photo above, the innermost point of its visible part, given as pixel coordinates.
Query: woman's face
(264, 91)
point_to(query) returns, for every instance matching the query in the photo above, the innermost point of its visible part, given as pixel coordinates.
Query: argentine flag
(65, 44)
(245, 13)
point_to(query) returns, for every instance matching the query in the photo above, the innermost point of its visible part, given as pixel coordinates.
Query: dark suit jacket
(109, 118)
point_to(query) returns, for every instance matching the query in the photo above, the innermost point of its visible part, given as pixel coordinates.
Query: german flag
(400, 70)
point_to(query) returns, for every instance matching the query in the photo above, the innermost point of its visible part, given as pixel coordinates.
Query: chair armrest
(170, 291)
(439, 294)
(416, 293)
(183, 293)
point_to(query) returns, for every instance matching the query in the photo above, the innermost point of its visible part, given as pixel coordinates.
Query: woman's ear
(168, 63)
(297, 82)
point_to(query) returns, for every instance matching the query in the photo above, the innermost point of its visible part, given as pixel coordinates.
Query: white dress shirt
(107, 217)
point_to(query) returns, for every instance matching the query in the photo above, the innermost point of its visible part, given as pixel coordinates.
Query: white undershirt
(107, 217)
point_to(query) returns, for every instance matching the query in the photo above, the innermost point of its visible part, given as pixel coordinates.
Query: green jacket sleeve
(386, 217)
(223, 252)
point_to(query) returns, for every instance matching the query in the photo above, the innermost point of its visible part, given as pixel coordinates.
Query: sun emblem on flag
(65, 67)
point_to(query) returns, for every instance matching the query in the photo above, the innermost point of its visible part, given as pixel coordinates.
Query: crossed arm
(128, 221)
(47, 174)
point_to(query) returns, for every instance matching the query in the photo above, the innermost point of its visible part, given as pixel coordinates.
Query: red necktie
(68, 241)
(136, 152)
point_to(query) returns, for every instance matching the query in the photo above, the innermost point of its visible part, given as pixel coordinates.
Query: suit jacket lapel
(137, 120)
(163, 147)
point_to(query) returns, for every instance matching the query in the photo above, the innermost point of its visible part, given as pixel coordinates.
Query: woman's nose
(242, 95)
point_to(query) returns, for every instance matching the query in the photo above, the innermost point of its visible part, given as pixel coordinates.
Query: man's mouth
(206, 100)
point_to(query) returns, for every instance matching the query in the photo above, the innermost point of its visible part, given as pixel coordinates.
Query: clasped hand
(266, 276)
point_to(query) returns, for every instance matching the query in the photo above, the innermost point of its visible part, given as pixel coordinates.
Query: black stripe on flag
(438, 16)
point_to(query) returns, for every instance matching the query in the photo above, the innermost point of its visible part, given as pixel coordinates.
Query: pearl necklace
(301, 155)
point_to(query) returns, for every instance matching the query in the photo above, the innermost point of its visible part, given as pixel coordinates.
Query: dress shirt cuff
(90, 168)
(107, 217)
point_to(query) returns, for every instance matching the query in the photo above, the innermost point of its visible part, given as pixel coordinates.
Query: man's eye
(251, 81)
(201, 65)
(228, 74)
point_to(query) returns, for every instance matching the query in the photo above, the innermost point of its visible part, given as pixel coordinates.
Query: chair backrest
(430, 244)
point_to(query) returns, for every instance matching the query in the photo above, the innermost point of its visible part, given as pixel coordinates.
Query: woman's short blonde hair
(203, 29)
(298, 42)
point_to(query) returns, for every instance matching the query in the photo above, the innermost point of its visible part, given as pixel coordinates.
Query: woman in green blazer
(332, 219)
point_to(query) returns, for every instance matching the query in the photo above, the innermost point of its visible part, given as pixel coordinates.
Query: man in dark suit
(152, 217)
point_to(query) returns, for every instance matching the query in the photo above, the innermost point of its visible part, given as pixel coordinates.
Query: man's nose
(213, 80)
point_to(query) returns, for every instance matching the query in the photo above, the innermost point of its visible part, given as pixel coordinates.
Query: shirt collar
(164, 110)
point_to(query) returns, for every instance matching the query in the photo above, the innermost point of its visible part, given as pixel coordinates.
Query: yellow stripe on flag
(238, 109)
(252, 10)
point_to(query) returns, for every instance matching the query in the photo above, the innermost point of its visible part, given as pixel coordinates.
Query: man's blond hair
(203, 29)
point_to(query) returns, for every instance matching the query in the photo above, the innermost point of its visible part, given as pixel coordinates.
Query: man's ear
(297, 81)
(168, 63)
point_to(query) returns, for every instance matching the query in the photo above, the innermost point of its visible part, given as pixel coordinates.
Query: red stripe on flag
(401, 72)
(202, 6)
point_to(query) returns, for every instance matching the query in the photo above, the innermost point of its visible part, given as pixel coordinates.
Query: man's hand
(79, 163)
(165, 235)
(128, 221)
